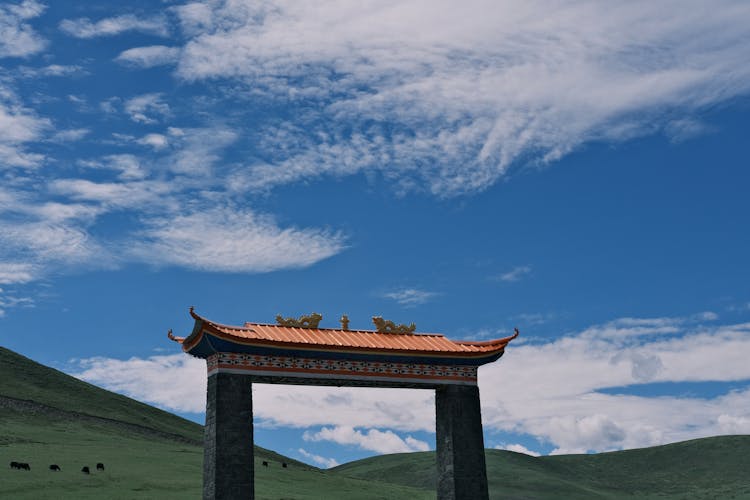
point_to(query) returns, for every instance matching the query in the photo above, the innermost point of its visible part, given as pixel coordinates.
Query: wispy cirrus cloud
(59, 70)
(49, 243)
(241, 241)
(148, 57)
(111, 26)
(144, 108)
(16, 272)
(21, 126)
(9, 300)
(515, 274)
(69, 135)
(130, 194)
(450, 107)
(17, 37)
(128, 167)
(410, 297)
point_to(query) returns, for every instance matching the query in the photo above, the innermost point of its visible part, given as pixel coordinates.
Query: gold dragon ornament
(310, 321)
(388, 326)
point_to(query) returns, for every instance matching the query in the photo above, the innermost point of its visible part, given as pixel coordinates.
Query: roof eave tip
(173, 338)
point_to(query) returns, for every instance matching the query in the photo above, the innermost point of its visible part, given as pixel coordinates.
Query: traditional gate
(297, 351)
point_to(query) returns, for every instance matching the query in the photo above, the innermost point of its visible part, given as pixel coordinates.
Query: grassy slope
(57, 428)
(703, 468)
(23, 378)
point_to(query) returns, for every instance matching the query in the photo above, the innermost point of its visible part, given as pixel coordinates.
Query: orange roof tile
(341, 340)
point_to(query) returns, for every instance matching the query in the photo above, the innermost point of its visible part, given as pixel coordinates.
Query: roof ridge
(249, 324)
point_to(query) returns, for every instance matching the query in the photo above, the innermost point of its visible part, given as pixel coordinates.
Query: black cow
(15, 465)
(265, 464)
(54, 467)
(22, 466)
(86, 470)
(283, 464)
(100, 466)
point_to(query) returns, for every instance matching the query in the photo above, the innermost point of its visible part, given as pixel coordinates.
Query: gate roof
(209, 337)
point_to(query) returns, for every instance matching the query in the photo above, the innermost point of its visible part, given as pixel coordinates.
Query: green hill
(48, 417)
(710, 468)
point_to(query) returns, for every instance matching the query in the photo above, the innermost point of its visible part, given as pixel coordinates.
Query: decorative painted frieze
(366, 371)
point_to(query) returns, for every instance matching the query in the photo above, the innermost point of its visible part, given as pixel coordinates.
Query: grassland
(711, 468)
(48, 417)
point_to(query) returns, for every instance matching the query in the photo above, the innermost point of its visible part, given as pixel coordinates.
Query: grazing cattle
(283, 464)
(86, 470)
(265, 464)
(54, 467)
(14, 465)
(100, 466)
(24, 466)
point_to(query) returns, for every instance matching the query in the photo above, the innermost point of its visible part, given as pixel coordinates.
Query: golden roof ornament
(344, 322)
(388, 326)
(309, 321)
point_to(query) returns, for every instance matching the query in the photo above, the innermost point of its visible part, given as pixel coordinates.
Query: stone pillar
(462, 473)
(228, 446)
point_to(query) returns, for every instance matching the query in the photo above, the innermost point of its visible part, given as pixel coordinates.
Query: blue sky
(578, 170)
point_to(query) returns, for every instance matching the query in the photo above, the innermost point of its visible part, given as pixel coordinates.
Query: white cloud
(110, 105)
(70, 135)
(549, 391)
(410, 297)
(371, 440)
(8, 301)
(515, 274)
(123, 195)
(47, 243)
(17, 37)
(196, 150)
(33, 245)
(324, 461)
(54, 212)
(467, 90)
(156, 141)
(85, 28)
(194, 17)
(518, 448)
(685, 129)
(128, 166)
(240, 241)
(51, 70)
(148, 57)
(24, 206)
(149, 385)
(730, 424)
(20, 126)
(142, 108)
(15, 272)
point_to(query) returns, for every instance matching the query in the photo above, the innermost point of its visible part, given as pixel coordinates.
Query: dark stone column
(462, 473)
(228, 446)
